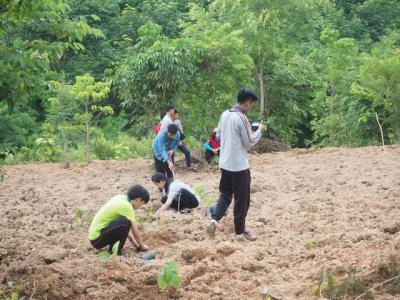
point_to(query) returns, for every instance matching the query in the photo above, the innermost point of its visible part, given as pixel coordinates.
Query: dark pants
(210, 155)
(183, 200)
(185, 150)
(238, 185)
(163, 168)
(116, 231)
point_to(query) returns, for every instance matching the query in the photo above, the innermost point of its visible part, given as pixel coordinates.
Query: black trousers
(187, 200)
(116, 231)
(185, 150)
(210, 155)
(163, 168)
(238, 185)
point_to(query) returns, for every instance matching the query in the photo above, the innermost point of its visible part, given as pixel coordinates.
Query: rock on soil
(328, 208)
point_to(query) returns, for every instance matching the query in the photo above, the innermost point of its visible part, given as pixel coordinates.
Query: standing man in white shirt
(234, 131)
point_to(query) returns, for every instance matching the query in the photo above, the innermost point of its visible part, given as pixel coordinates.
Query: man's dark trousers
(238, 185)
(185, 150)
(163, 168)
(115, 231)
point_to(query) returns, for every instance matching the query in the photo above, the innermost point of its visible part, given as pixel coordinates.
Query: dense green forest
(88, 79)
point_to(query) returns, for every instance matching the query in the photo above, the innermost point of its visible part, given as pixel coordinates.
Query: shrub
(103, 149)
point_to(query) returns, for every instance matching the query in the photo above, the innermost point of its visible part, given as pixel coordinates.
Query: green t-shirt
(117, 206)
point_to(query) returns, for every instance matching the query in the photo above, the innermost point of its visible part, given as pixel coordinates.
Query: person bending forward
(164, 147)
(236, 136)
(116, 218)
(176, 194)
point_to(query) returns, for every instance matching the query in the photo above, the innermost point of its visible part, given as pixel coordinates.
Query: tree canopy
(325, 71)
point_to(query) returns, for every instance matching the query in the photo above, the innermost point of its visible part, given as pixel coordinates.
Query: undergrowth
(386, 278)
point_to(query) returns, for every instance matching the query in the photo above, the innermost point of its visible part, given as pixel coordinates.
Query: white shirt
(165, 122)
(175, 188)
(234, 131)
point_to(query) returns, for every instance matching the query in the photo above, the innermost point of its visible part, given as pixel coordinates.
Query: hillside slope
(340, 199)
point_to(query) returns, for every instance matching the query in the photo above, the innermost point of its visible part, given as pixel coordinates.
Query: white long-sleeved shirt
(175, 188)
(165, 122)
(234, 131)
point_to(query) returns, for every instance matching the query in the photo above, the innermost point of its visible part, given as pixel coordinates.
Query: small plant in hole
(169, 276)
(311, 244)
(82, 217)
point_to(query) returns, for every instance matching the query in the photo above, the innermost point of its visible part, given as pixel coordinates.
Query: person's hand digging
(156, 216)
(143, 248)
(171, 166)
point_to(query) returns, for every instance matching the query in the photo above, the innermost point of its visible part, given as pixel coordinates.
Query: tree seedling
(83, 217)
(104, 255)
(79, 216)
(169, 276)
(311, 244)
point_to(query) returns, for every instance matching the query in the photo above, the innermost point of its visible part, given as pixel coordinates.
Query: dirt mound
(268, 145)
(328, 209)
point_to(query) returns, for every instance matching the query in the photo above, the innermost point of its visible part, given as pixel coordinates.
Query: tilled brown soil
(344, 199)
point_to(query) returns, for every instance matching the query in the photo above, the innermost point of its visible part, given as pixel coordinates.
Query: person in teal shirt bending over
(116, 218)
(164, 146)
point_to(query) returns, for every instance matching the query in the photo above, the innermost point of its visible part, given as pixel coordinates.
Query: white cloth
(174, 189)
(179, 124)
(165, 122)
(234, 131)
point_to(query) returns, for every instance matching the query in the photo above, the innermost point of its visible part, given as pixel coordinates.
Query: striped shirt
(236, 136)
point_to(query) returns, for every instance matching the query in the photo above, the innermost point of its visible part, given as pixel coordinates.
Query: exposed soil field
(345, 200)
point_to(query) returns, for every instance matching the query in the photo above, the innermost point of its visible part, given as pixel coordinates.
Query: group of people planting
(230, 141)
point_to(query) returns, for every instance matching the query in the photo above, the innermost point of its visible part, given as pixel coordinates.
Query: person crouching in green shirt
(112, 222)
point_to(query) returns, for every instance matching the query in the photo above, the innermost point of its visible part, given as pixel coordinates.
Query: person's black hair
(172, 128)
(158, 177)
(169, 107)
(246, 95)
(138, 191)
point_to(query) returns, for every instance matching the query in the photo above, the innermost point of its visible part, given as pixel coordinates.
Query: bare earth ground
(341, 198)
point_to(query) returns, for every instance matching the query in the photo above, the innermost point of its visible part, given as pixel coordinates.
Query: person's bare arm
(162, 209)
(132, 240)
(138, 237)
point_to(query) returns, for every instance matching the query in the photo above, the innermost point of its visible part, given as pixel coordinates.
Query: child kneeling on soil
(112, 222)
(176, 194)
(212, 146)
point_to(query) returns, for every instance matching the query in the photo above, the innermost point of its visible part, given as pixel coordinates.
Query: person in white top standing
(168, 117)
(236, 136)
(182, 146)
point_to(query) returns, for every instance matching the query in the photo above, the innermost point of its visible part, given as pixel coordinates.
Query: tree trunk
(261, 84)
